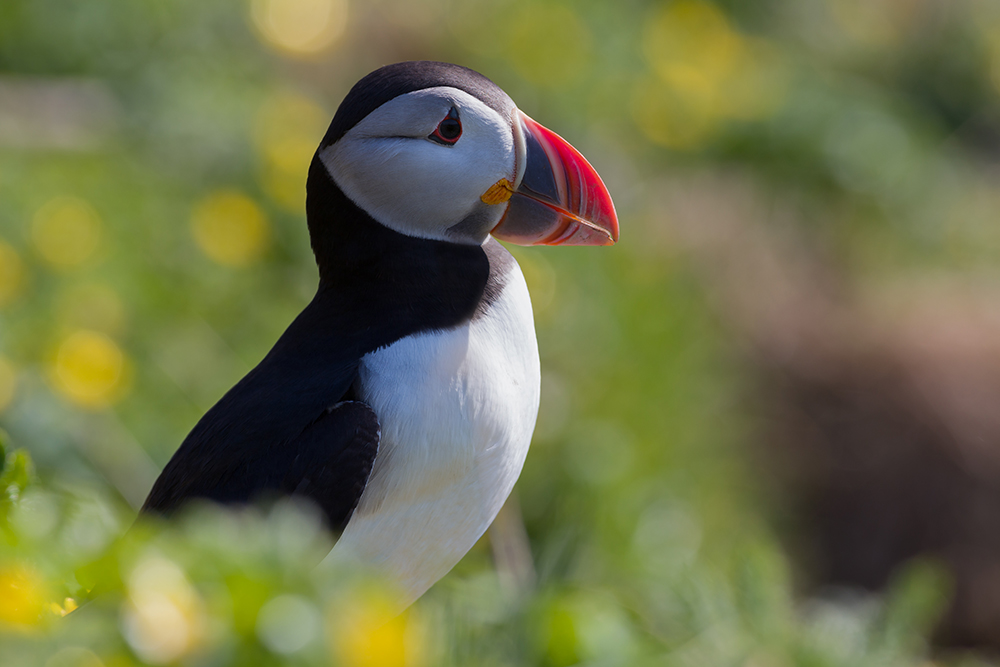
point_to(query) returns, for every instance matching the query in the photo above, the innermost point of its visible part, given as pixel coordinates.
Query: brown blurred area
(878, 400)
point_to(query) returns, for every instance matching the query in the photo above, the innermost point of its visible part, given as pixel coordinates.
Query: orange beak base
(561, 200)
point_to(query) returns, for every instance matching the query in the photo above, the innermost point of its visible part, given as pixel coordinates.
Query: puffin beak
(559, 199)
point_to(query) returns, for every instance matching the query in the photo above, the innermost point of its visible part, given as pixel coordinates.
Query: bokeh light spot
(89, 369)
(286, 132)
(670, 118)
(66, 231)
(706, 73)
(374, 634)
(690, 36)
(299, 27)
(550, 45)
(22, 596)
(230, 228)
(8, 382)
(11, 274)
(163, 618)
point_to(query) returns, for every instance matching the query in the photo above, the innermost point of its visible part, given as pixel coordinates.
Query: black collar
(392, 284)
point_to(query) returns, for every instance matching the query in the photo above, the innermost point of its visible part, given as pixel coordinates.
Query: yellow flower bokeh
(370, 632)
(299, 27)
(89, 369)
(23, 596)
(163, 618)
(287, 129)
(230, 228)
(691, 39)
(68, 606)
(66, 232)
(671, 118)
(550, 45)
(704, 73)
(11, 274)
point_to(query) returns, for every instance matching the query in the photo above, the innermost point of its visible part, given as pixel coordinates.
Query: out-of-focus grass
(242, 587)
(153, 246)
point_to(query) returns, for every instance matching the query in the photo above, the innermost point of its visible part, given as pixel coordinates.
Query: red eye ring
(448, 130)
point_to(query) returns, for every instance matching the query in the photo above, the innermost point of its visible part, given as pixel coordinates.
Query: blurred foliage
(235, 588)
(153, 246)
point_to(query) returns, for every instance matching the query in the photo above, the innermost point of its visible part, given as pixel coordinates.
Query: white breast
(457, 409)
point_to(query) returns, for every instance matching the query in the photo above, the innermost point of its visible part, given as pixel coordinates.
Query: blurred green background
(770, 423)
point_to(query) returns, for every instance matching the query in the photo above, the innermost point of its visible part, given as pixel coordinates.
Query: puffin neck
(384, 274)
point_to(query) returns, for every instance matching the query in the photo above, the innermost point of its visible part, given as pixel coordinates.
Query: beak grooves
(560, 199)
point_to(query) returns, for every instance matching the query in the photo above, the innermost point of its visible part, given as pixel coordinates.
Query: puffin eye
(448, 130)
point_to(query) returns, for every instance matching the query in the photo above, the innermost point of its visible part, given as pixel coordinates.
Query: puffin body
(403, 398)
(457, 409)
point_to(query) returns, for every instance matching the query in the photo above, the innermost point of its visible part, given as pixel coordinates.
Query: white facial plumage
(387, 165)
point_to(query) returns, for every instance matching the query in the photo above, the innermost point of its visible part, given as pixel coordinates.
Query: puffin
(401, 401)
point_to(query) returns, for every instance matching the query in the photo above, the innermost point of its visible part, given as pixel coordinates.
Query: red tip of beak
(560, 200)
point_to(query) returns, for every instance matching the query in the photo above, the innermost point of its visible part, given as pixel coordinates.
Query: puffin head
(438, 151)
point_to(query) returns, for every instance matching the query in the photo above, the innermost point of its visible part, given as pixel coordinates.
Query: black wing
(285, 428)
(329, 462)
(333, 459)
